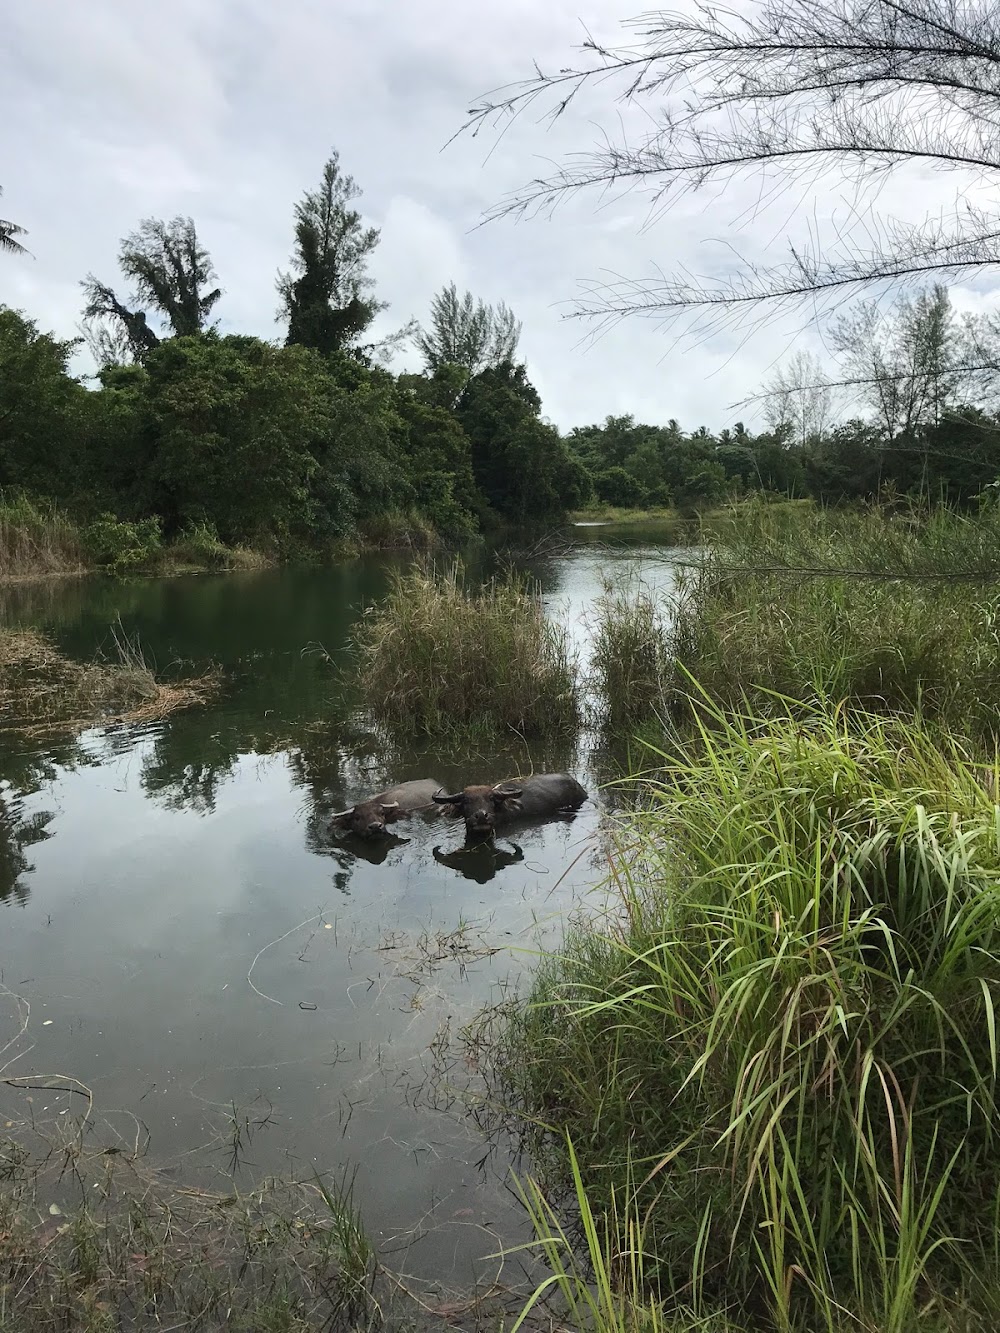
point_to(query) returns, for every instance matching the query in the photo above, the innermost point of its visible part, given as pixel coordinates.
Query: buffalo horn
(501, 790)
(447, 800)
(390, 805)
(341, 813)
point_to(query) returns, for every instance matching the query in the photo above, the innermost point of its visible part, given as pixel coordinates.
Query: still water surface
(194, 943)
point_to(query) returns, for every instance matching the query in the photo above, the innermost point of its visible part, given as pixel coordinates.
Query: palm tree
(8, 230)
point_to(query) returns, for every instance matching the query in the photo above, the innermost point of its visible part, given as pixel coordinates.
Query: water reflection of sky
(189, 936)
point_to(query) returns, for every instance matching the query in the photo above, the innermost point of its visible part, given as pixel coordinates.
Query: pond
(238, 989)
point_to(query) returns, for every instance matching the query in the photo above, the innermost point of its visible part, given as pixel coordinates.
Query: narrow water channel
(197, 948)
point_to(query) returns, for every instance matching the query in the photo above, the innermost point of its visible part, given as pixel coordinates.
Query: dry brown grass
(37, 541)
(41, 690)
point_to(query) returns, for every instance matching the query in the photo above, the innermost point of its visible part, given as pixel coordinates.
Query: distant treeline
(302, 446)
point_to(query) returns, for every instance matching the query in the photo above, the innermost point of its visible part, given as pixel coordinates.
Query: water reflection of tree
(18, 831)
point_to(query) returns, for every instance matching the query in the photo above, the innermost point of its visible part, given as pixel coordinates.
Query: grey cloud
(227, 112)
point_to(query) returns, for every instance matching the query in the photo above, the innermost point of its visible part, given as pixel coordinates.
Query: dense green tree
(468, 333)
(328, 297)
(40, 405)
(615, 486)
(520, 463)
(235, 421)
(168, 270)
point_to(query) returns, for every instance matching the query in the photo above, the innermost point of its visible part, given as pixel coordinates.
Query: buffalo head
(481, 806)
(369, 818)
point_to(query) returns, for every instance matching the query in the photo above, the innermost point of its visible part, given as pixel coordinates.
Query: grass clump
(886, 611)
(630, 662)
(777, 1058)
(42, 690)
(439, 656)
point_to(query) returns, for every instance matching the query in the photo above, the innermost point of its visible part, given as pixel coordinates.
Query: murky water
(197, 948)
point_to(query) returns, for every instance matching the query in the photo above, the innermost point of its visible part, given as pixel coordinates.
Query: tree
(235, 423)
(520, 463)
(799, 399)
(327, 298)
(8, 230)
(468, 333)
(39, 409)
(169, 270)
(904, 360)
(793, 93)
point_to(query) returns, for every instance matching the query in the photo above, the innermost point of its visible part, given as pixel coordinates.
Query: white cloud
(227, 111)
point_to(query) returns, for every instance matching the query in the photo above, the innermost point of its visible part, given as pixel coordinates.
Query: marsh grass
(440, 656)
(42, 690)
(630, 662)
(887, 611)
(777, 1056)
(37, 539)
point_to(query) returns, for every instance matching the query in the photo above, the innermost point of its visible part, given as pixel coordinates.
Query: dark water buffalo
(369, 818)
(484, 808)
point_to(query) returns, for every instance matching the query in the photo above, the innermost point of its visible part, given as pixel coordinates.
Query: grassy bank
(776, 1059)
(441, 656)
(896, 612)
(42, 690)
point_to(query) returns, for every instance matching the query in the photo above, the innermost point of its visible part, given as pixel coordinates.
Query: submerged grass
(439, 656)
(777, 1058)
(138, 1253)
(42, 690)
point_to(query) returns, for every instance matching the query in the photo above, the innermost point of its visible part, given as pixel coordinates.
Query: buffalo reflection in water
(480, 861)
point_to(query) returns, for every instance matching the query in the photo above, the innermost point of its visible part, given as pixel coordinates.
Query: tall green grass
(439, 655)
(37, 539)
(630, 662)
(799, 602)
(777, 1057)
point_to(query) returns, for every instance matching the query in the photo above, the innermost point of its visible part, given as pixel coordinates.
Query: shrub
(438, 655)
(779, 1053)
(122, 545)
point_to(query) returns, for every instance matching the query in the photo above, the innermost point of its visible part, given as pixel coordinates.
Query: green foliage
(438, 656)
(519, 461)
(776, 1057)
(327, 298)
(234, 420)
(122, 545)
(39, 406)
(467, 333)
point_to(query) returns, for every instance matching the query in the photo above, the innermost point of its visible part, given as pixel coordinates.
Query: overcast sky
(226, 110)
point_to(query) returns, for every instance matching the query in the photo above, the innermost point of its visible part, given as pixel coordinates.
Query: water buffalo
(484, 807)
(368, 819)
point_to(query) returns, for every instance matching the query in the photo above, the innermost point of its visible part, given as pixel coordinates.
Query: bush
(778, 1057)
(121, 545)
(437, 655)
